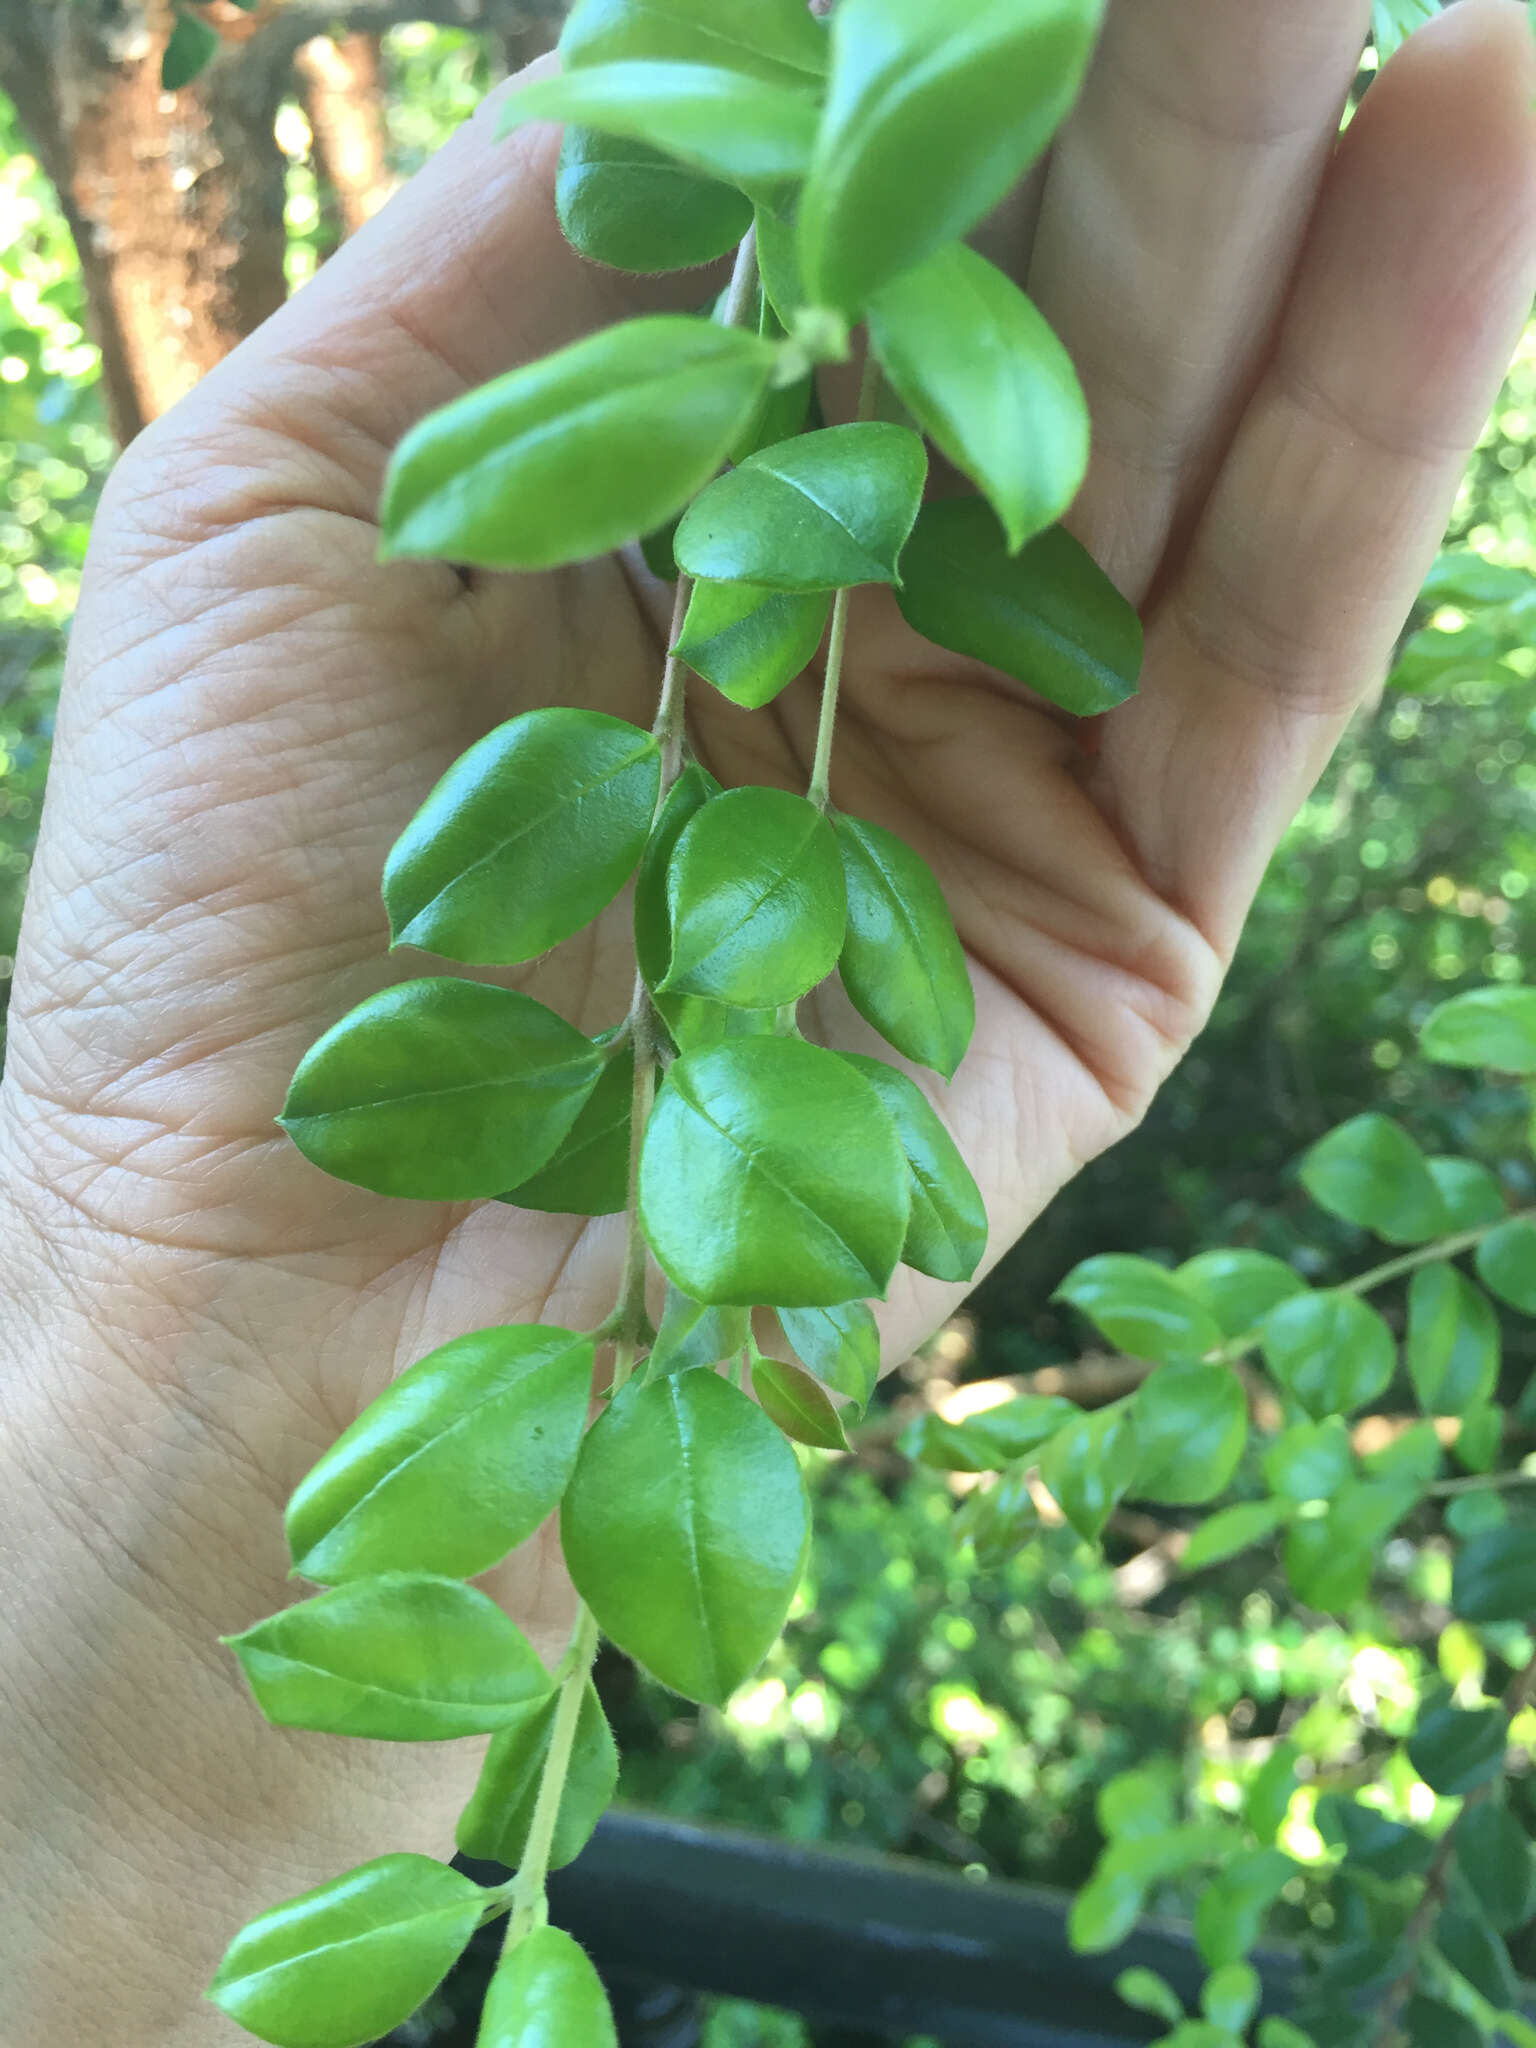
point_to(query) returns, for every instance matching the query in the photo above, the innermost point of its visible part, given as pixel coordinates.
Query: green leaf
(578, 452)
(1330, 1350)
(494, 1825)
(1311, 1460)
(1104, 1911)
(1454, 1749)
(685, 1530)
(1453, 1341)
(1139, 1802)
(546, 1994)
(750, 642)
(771, 1172)
(1413, 1455)
(821, 511)
(1486, 1027)
(190, 49)
(902, 963)
(988, 382)
(1141, 1308)
(1230, 1912)
(1469, 1193)
(730, 126)
(798, 1404)
(1372, 1841)
(778, 264)
(1467, 1942)
(779, 40)
(627, 206)
(525, 839)
(1269, 1796)
(1145, 1991)
(1191, 1428)
(998, 1519)
(1495, 1857)
(1370, 1172)
(692, 1335)
(401, 1658)
(1231, 1530)
(350, 1960)
(694, 788)
(1495, 1576)
(588, 1174)
(756, 899)
(1392, 23)
(1048, 616)
(1506, 1264)
(1275, 2032)
(1231, 1996)
(453, 1465)
(1426, 2022)
(935, 108)
(1330, 1558)
(990, 1438)
(947, 1229)
(1239, 1287)
(1090, 1466)
(1474, 1514)
(1477, 1441)
(444, 1090)
(840, 1344)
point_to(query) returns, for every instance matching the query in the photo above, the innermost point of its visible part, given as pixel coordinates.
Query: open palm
(1287, 348)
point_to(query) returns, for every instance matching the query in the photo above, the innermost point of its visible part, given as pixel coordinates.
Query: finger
(1176, 201)
(1416, 278)
(464, 274)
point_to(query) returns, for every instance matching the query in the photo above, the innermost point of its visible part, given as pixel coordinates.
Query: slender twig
(528, 1907)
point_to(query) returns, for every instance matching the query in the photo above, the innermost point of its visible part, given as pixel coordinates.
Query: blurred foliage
(921, 1702)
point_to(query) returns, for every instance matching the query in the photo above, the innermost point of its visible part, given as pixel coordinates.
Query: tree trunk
(340, 85)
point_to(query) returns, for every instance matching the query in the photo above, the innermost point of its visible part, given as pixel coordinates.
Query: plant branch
(528, 1906)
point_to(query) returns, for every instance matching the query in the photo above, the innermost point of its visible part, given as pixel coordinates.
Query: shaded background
(917, 1703)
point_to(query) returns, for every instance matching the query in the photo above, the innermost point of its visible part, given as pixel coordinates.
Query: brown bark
(340, 86)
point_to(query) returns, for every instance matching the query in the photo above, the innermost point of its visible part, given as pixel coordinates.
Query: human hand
(1287, 351)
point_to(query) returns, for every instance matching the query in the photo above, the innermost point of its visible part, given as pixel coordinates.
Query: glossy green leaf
(1486, 1027)
(494, 1825)
(756, 900)
(1311, 1460)
(947, 1229)
(1239, 1287)
(692, 1335)
(1469, 1193)
(402, 1658)
(1231, 1530)
(1495, 1576)
(840, 1344)
(727, 124)
(1331, 1350)
(1090, 1466)
(454, 1464)
(656, 549)
(772, 1172)
(902, 963)
(1330, 1559)
(1269, 1795)
(578, 452)
(444, 1090)
(693, 789)
(190, 48)
(1230, 1997)
(798, 1404)
(778, 263)
(988, 382)
(1191, 1428)
(588, 1174)
(750, 642)
(632, 208)
(823, 510)
(935, 108)
(685, 1530)
(998, 1520)
(1370, 1172)
(1144, 1991)
(779, 40)
(1453, 1341)
(1142, 1308)
(1506, 1264)
(1494, 1855)
(526, 838)
(1456, 1749)
(989, 1438)
(546, 1994)
(1231, 1908)
(1372, 1841)
(1048, 616)
(348, 1961)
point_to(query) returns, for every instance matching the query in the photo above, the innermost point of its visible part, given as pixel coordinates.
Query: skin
(1288, 347)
